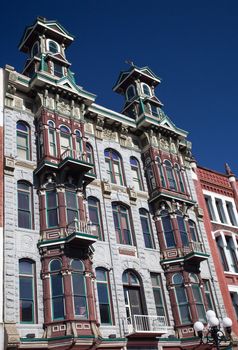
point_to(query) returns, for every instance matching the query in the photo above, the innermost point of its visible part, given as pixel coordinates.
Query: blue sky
(192, 45)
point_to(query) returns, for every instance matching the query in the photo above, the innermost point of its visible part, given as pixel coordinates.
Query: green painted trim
(112, 339)
(196, 253)
(164, 261)
(172, 196)
(111, 114)
(181, 340)
(80, 234)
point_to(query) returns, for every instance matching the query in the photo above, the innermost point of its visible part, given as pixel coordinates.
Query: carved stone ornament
(12, 334)
(63, 107)
(132, 193)
(13, 76)
(109, 135)
(106, 188)
(173, 148)
(9, 164)
(164, 144)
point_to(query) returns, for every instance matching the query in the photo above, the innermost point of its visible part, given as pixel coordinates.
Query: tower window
(130, 92)
(182, 299)
(79, 289)
(35, 49)
(146, 90)
(170, 175)
(53, 46)
(57, 293)
(168, 229)
(58, 70)
(51, 208)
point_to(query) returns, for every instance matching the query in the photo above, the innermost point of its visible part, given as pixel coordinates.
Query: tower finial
(131, 63)
(228, 170)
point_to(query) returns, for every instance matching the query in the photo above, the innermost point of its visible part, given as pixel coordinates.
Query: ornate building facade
(105, 245)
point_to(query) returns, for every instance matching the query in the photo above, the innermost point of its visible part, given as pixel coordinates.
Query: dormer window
(53, 47)
(154, 110)
(35, 49)
(146, 90)
(130, 92)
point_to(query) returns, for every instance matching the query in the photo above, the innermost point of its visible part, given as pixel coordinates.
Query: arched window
(57, 293)
(146, 90)
(23, 140)
(193, 230)
(95, 215)
(170, 175)
(52, 143)
(25, 212)
(104, 299)
(65, 140)
(130, 92)
(146, 228)
(161, 172)
(79, 289)
(53, 46)
(78, 141)
(90, 157)
(197, 296)
(182, 228)
(71, 206)
(27, 293)
(114, 166)
(35, 49)
(122, 224)
(179, 178)
(181, 297)
(51, 208)
(132, 294)
(136, 174)
(168, 229)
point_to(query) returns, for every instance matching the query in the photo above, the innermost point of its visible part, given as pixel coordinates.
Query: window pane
(26, 288)
(78, 284)
(80, 306)
(58, 307)
(25, 267)
(26, 311)
(56, 285)
(102, 293)
(105, 313)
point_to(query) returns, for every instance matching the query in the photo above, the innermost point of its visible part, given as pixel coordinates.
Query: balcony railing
(85, 227)
(76, 155)
(145, 324)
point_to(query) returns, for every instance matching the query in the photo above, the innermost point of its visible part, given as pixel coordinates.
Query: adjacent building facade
(105, 243)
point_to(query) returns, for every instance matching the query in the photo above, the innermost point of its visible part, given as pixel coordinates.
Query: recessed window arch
(25, 204)
(161, 172)
(132, 294)
(79, 288)
(122, 224)
(146, 228)
(181, 297)
(170, 175)
(104, 295)
(52, 138)
(167, 229)
(179, 175)
(23, 140)
(27, 291)
(136, 174)
(35, 49)
(95, 216)
(130, 92)
(65, 140)
(57, 292)
(146, 89)
(53, 47)
(114, 166)
(197, 296)
(193, 230)
(182, 228)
